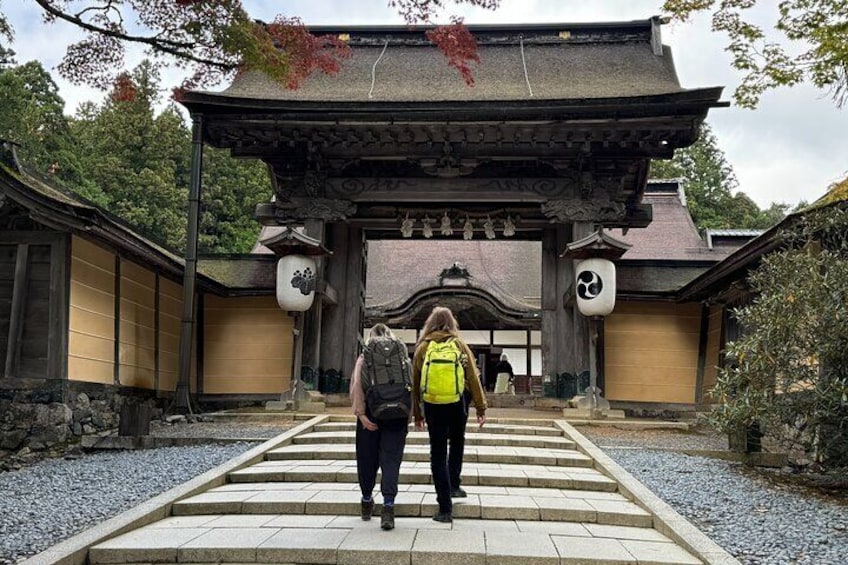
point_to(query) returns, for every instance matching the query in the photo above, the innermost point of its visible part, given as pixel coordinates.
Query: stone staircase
(533, 497)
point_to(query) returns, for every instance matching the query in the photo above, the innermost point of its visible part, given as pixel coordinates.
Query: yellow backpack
(442, 376)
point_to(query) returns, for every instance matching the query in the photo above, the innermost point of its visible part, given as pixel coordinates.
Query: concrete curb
(74, 551)
(666, 520)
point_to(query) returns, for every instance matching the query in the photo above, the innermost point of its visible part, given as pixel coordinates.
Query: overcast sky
(791, 148)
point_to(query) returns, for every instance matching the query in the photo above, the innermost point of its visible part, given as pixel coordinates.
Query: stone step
(411, 472)
(420, 438)
(513, 429)
(500, 503)
(473, 453)
(226, 539)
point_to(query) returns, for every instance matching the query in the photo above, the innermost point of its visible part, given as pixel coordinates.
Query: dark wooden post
(335, 272)
(354, 299)
(580, 323)
(557, 312)
(16, 316)
(182, 395)
(312, 318)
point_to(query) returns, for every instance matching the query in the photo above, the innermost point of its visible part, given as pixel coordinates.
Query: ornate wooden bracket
(579, 210)
(298, 209)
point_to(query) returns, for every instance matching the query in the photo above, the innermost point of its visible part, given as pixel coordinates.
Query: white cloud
(789, 149)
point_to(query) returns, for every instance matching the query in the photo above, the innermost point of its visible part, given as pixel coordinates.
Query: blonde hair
(380, 331)
(440, 319)
(504, 357)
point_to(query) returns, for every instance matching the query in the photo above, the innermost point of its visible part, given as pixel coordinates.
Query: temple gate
(553, 140)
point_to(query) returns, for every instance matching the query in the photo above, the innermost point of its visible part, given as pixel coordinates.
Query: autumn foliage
(459, 47)
(215, 39)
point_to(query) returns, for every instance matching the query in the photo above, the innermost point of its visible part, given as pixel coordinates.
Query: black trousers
(446, 424)
(380, 449)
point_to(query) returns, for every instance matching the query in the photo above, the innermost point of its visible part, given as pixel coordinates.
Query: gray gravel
(52, 500)
(755, 520)
(241, 429)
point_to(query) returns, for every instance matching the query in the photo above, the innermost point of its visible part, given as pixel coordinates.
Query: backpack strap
(369, 360)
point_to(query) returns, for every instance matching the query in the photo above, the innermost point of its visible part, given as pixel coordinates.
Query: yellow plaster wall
(91, 338)
(137, 347)
(247, 346)
(651, 352)
(713, 351)
(170, 312)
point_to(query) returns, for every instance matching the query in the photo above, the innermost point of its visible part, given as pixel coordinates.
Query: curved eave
(410, 306)
(734, 265)
(675, 103)
(89, 220)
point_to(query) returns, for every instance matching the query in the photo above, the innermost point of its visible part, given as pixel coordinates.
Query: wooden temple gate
(558, 131)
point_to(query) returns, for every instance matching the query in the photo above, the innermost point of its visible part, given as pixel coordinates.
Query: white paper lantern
(595, 287)
(296, 282)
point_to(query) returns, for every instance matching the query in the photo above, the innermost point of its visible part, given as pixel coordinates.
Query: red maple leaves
(303, 52)
(458, 45)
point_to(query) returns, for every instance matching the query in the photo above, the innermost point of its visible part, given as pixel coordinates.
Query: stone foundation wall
(55, 414)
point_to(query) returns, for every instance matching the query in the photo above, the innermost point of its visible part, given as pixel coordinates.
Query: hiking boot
(458, 493)
(387, 520)
(444, 517)
(366, 509)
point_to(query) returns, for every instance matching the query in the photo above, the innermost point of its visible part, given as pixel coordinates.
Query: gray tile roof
(509, 270)
(671, 235)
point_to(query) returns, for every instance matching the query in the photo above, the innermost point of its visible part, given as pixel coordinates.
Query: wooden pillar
(557, 311)
(354, 305)
(343, 323)
(335, 273)
(16, 316)
(580, 323)
(182, 394)
(312, 318)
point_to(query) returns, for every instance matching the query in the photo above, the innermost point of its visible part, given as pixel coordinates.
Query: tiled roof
(671, 235)
(509, 270)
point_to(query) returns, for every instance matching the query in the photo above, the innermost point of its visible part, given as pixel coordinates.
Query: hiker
(380, 392)
(505, 382)
(443, 369)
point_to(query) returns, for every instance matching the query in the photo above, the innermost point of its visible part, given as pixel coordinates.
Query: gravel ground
(241, 430)
(50, 501)
(756, 520)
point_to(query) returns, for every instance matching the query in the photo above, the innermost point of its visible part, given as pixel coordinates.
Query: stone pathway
(533, 499)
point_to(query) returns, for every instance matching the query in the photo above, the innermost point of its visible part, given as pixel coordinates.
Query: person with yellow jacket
(443, 370)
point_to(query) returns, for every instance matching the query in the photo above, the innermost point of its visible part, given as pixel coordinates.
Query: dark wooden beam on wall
(16, 316)
(703, 337)
(60, 291)
(116, 367)
(156, 330)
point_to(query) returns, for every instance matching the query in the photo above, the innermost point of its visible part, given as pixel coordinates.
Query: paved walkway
(533, 499)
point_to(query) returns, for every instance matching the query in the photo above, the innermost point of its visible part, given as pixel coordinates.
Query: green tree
(231, 190)
(788, 372)
(710, 186)
(813, 44)
(32, 116)
(138, 158)
(141, 160)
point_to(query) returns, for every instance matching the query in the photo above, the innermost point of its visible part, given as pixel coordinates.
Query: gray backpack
(387, 379)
